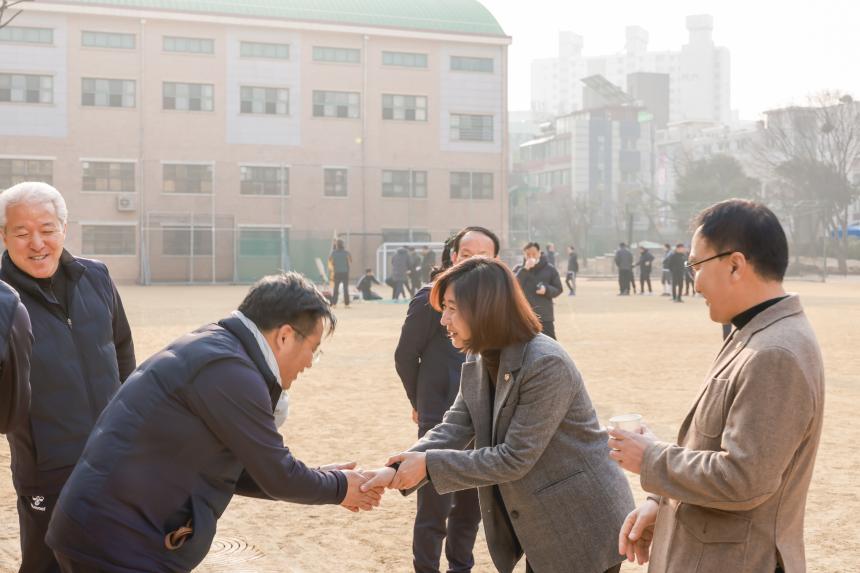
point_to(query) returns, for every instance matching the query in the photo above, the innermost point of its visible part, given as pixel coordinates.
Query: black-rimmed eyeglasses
(694, 264)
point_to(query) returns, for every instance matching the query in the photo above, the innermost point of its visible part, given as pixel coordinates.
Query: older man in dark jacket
(191, 427)
(541, 283)
(82, 352)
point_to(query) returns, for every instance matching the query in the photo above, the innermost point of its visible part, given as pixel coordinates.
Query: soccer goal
(387, 250)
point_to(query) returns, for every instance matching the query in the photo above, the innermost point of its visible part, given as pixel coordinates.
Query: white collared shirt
(283, 406)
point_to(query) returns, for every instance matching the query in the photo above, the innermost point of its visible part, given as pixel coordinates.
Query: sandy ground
(640, 354)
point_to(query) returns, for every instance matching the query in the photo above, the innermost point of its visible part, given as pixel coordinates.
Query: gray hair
(33, 192)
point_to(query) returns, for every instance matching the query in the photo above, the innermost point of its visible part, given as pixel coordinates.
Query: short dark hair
(455, 246)
(287, 298)
(368, 270)
(667, 245)
(446, 261)
(338, 244)
(622, 244)
(491, 301)
(750, 228)
(531, 244)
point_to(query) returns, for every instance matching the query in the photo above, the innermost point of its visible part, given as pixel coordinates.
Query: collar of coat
(235, 327)
(739, 338)
(21, 281)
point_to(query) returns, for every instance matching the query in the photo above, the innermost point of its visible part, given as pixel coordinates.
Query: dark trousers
(34, 514)
(645, 277)
(689, 283)
(570, 280)
(341, 279)
(615, 569)
(625, 279)
(549, 328)
(677, 286)
(69, 566)
(397, 289)
(453, 518)
(370, 295)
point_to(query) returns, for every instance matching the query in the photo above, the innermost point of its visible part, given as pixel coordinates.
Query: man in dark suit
(429, 368)
(541, 283)
(16, 342)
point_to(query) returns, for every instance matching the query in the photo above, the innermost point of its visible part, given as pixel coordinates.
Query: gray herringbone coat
(541, 443)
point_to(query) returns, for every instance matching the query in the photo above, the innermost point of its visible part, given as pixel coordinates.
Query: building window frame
(483, 133)
(280, 104)
(123, 178)
(197, 97)
(472, 64)
(192, 45)
(281, 51)
(9, 175)
(402, 107)
(100, 252)
(470, 186)
(336, 55)
(8, 89)
(411, 60)
(38, 35)
(199, 231)
(332, 104)
(404, 184)
(335, 182)
(104, 40)
(282, 180)
(127, 98)
(188, 166)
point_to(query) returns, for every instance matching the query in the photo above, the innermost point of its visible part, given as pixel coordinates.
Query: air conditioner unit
(126, 202)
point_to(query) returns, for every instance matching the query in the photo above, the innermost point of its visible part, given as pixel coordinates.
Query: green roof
(457, 16)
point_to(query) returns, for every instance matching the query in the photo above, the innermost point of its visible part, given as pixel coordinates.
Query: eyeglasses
(694, 264)
(317, 353)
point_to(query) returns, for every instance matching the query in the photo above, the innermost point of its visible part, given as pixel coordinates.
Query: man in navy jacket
(16, 342)
(193, 425)
(81, 353)
(429, 368)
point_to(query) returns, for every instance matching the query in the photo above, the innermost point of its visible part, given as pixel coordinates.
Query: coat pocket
(709, 418)
(194, 543)
(710, 540)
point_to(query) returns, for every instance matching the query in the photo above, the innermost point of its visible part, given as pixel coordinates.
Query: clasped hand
(411, 471)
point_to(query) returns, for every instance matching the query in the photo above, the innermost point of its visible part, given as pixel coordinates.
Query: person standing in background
(572, 270)
(677, 267)
(541, 283)
(550, 253)
(666, 275)
(624, 263)
(340, 260)
(399, 273)
(428, 261)
(644, 264)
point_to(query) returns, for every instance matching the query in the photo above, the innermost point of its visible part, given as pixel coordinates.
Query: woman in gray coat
(546, 486)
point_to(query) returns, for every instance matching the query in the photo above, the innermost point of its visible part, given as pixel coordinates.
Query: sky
(781, 51)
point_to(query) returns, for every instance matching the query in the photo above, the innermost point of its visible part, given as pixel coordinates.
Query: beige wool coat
(734, 487)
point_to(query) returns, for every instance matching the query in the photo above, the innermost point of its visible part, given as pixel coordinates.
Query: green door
(262, 251)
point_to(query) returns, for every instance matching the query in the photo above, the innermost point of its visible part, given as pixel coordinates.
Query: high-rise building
(699, 73)
(219, 140)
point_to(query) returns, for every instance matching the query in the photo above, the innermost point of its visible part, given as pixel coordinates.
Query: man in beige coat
(730, 496)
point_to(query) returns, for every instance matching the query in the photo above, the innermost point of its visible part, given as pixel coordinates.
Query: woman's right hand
(378, 478)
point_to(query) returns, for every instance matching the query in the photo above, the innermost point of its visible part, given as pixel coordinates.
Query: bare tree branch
(5, 5)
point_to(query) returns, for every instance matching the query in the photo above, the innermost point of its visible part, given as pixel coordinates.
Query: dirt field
(640, 354)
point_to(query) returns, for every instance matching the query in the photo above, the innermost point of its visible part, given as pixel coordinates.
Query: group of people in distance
(127, 468)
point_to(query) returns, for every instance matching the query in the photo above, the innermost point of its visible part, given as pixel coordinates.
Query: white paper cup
(627, 422)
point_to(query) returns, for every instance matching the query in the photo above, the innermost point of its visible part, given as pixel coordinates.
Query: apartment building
(217, 141)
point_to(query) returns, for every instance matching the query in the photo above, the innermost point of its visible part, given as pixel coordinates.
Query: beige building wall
(69, 133)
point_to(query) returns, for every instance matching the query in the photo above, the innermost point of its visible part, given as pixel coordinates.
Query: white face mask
(282, 409)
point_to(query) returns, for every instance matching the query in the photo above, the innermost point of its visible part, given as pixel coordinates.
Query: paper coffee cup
(627, 422)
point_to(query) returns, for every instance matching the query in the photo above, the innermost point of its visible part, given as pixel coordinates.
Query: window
(185, 178)
(112, 176)
(26, 88)
(188, 97)
(336, 104)
(268, 101)
(467, 64)
(405, 59)
(405, 107)
(264, 50)
(107, 93)
(26, 35)
(334, 182)
(107, 40)
(108, 240)
(177, 241)
(337, 55)
(471, 127)
(399, 183)
(189, 45)
(14, 171)
(467, 185)
(260, 180)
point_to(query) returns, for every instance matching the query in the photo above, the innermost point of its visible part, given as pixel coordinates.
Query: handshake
(365, 487)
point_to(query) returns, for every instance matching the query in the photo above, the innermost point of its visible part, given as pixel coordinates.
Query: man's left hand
(628, 448)
(541, 290)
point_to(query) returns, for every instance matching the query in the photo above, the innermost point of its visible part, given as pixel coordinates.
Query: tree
(5, 6)
(814, 152)
(703, 182)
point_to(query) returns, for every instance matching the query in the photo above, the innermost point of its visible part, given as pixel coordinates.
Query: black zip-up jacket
(78, 362)
(16, 342)
(542, 273)
(426, 361)
(172, 446)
